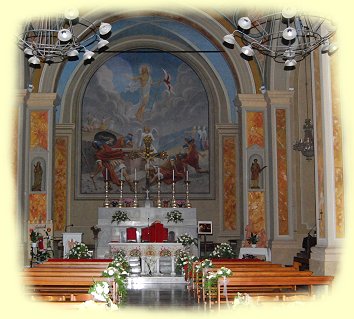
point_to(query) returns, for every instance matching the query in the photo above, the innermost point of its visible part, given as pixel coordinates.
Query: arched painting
(140, 97)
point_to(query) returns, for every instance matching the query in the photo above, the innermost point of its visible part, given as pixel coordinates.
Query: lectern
(69, 240)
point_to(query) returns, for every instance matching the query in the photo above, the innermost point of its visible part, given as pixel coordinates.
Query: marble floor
(162, 296)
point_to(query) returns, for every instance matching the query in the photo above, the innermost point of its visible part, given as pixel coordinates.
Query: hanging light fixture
(287, 36)
(54, 39)
(306, 145)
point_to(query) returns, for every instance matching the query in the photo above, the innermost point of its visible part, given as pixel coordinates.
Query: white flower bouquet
(174, 216)
(120, 216)
(223, 250)
(186, 240)
(79, 251)
(100, 291)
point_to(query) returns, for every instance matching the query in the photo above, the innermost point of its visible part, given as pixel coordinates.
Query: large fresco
(139, 94)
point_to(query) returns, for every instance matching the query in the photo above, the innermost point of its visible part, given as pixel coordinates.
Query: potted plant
(253, 239)
(34, 236)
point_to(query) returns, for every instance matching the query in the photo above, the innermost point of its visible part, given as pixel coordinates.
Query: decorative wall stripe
(282, 167)
(337, 145)
(60, 182)
(37, 208)
(255, 129)
(39, 129)
(256, 210)
(229, 168)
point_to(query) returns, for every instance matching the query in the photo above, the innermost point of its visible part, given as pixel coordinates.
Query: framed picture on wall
(205, 228)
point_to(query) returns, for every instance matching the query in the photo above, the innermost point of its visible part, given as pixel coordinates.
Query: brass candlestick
(106, 199)
(173, 201)
(120, 202)
(158, 193)
(188, 204)
(135, 201)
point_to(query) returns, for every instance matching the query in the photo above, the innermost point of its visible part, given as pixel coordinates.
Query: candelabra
(188, 204)
(120, 202)
(158, 193)
(173, 201)
(135, 201)
(106, 200)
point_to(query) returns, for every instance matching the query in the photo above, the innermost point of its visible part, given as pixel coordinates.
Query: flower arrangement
(242, 299)
(100, 291)
(79, 251)
(119, 216)
(223, 250)
(211, 278)
(184, 261)
(186, 240)
(253, 239)
(174, 216)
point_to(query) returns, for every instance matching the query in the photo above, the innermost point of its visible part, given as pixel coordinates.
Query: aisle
(161, 296)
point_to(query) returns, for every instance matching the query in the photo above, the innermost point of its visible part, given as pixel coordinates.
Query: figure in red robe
(192, 156)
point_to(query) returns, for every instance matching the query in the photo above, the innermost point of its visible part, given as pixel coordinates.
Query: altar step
(138, 282)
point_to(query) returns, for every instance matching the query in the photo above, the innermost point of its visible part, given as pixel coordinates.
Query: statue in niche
(255, 173)
(38, 174)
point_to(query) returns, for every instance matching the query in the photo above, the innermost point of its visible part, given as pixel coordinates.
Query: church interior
(149, 133)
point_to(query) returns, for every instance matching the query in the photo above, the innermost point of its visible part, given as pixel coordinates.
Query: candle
(135, 174)
(106, 174)
(158, 173)
(121, 174)
(173, 175)
(187, 176)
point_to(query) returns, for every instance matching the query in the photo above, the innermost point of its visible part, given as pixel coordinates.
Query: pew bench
(227, 290)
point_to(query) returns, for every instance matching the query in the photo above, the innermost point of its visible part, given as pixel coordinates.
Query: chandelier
(288, 37)
(53, 40)
(306, 145)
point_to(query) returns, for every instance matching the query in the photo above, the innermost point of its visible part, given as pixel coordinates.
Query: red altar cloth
(156, 233)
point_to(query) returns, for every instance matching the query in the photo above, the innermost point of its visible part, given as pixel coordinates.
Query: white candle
(106, 174)
(158, 173)
(135, 174)
(187, 175)
(173, 175)
(121, 174)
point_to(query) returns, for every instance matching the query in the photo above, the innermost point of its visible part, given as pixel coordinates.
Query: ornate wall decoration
(37, 208)
(256, 210)
(282, 165)
(60, 182)
(39, 129)
(229, 171)
(134, 95)
(255, 129)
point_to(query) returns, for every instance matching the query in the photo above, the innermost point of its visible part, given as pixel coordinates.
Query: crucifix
(147, 154)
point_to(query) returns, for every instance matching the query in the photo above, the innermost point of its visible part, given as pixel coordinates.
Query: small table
(256, 251)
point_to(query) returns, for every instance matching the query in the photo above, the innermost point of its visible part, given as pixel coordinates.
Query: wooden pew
(264, 272)
(258, 283)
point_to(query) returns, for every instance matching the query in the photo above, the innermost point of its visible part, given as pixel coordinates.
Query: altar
(140, 218)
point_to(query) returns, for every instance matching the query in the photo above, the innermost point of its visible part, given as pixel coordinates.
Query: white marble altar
(141, 217)
(150, 254)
